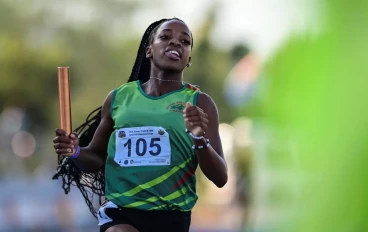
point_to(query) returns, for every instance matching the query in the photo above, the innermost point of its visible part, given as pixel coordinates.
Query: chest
(138, 112)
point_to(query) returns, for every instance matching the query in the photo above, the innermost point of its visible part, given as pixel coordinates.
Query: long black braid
(92, 185)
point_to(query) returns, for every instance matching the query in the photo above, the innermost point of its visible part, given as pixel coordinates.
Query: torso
(150, 163)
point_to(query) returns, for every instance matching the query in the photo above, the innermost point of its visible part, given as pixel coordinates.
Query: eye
(185, 41)
(164, 37)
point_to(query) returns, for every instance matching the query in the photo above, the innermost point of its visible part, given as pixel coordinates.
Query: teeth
(175, 52)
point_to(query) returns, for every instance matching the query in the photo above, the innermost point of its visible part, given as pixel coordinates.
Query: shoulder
(191, 89)
(107, 103)
(127, 86)
(125, 90)
(203, 99)
(117, 94)
(109, 97)
(207, 104)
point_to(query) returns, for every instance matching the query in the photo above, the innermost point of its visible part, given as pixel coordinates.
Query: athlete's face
(171, 46)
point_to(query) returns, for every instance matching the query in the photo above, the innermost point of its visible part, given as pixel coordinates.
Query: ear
(149, 52)
(190, 59)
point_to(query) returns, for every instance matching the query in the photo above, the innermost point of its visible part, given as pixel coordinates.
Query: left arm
(205, 118)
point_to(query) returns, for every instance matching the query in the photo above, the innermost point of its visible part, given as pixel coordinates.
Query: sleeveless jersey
(150, 163)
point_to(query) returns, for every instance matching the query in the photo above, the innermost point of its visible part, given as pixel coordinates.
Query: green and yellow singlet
(150, 163)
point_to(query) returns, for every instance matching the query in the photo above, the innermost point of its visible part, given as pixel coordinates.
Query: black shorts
(148, 221)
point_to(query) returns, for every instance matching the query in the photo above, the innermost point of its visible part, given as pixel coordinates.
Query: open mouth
(175, 55)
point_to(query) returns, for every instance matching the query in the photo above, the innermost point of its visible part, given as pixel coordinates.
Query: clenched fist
(196, 121)
(65, 145)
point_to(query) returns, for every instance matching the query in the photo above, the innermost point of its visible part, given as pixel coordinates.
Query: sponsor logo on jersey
(161, 132)
(121, 134)
(176, 107)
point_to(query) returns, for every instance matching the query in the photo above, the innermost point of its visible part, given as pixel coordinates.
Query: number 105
(141, 146)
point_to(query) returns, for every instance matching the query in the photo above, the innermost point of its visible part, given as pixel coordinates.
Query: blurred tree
(314, 97)
(28, 76)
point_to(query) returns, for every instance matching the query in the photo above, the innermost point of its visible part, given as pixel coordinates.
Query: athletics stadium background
(289, 79)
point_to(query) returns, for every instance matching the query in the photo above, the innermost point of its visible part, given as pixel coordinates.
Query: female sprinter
(152, 133)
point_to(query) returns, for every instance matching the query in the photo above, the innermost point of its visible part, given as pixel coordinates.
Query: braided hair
(92, 185)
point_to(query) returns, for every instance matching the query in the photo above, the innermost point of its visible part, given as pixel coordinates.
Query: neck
(162, 82)
(166, 75)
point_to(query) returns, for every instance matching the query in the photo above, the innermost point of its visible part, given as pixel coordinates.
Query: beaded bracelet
(76, 153)
(201, 146)
(193, 136)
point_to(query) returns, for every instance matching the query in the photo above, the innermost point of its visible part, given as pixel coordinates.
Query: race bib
(142, 146)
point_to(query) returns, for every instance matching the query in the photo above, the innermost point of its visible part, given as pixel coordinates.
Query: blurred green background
(288, 78)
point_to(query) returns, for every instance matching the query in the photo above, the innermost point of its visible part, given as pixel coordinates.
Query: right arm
(93, 157)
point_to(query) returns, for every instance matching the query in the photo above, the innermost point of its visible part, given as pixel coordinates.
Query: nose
(175, 42)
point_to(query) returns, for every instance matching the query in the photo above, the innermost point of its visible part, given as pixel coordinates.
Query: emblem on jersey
(121, 134)
(161, 132)
(176, 107)
(131, 161)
